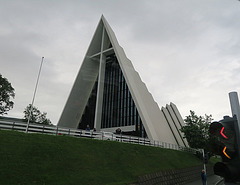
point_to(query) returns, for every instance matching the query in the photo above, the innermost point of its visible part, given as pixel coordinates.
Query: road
(211, 180)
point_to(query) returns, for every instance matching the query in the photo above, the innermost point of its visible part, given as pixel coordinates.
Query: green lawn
(43, 159)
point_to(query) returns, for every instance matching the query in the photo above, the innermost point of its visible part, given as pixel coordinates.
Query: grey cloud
(179, 48)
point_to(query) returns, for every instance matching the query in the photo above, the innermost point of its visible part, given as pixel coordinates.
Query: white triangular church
(108, 93)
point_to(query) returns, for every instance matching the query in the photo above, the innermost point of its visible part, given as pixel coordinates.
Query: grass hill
(31, 159)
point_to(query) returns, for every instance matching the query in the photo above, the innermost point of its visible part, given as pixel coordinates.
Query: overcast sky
(186, 51)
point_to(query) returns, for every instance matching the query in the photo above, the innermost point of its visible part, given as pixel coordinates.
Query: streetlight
(34, 95)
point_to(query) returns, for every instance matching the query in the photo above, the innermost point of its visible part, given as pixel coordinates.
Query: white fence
(53, 130)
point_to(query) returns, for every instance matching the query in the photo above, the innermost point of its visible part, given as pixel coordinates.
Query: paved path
(211, 180)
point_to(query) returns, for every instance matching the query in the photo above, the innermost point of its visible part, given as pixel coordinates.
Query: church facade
(108, 94)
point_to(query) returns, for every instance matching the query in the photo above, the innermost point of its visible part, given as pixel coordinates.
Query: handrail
(55, 130)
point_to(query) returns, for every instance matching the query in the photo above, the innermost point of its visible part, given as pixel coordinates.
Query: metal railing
(54, 130)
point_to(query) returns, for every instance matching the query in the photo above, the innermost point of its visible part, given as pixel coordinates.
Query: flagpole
(34, 94)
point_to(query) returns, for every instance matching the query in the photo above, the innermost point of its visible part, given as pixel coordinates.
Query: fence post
(69, 132)
(13, 125)
(57, 131)
(43, 129)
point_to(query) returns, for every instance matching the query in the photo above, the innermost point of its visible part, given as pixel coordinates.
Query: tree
(6, 93)
(196, 130)
(36, 116)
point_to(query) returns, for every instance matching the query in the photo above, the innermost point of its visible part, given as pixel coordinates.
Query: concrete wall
(155, 124)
